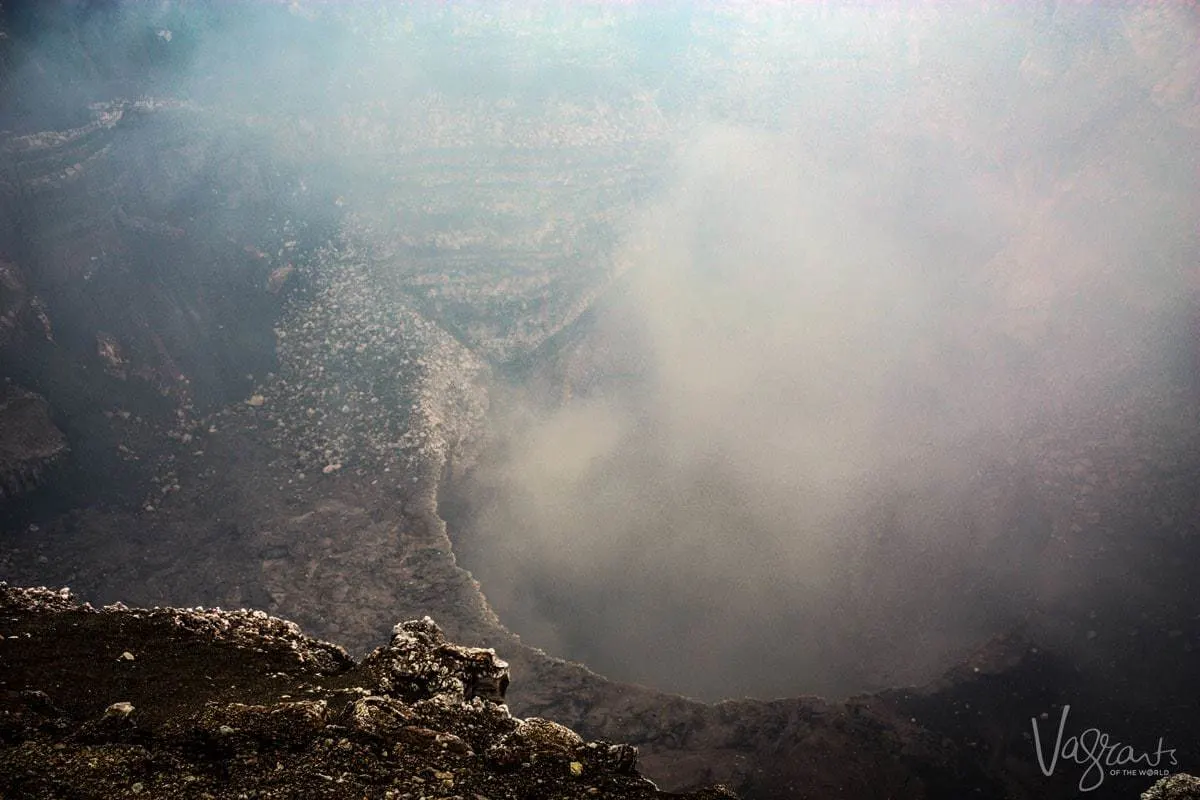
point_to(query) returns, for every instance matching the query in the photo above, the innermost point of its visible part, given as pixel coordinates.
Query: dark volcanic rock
(1175, 787)
(30, 444)
(174, 702)
(413, 666)
(170, 702)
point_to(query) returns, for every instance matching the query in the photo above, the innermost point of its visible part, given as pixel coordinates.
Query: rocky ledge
(204, 703)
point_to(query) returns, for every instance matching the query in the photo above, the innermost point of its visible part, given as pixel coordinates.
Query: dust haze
(789, 447)
(793, 451)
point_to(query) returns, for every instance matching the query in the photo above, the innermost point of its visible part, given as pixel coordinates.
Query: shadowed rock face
(30, 444)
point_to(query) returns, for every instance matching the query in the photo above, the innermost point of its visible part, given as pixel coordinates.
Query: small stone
(119, 710)
(137, 788)
(256, 400)
(576, 768)
(126, 656)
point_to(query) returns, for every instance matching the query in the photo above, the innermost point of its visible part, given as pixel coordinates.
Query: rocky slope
(124, 702)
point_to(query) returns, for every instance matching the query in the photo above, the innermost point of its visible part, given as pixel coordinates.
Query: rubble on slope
(172, 702)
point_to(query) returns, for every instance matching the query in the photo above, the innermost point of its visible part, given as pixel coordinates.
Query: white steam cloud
(794, 455)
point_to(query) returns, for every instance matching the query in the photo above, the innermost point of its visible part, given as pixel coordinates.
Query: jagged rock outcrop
(171, 702)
